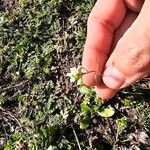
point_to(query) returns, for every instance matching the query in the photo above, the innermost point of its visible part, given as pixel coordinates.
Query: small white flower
(75, 74)
(72, 79)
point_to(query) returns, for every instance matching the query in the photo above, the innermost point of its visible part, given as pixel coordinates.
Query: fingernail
(113, 78)
(124, 85)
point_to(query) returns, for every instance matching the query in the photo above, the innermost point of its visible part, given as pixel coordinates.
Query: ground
(40, 40)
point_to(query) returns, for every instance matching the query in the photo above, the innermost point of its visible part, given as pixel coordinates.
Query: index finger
(105, 17)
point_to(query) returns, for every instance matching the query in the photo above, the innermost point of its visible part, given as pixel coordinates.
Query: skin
(117, 45)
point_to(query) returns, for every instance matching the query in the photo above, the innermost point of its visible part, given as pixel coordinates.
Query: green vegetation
(40, 40)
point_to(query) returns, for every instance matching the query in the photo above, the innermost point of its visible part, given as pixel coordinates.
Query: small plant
(91, 102)
(122, 124)
(90, 105)
(38, 109)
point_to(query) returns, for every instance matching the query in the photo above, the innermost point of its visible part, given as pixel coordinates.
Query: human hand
(117, 45)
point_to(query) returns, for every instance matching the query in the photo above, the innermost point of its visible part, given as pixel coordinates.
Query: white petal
(79, 82)
(73, 69)
(72, 79)
(69, 75)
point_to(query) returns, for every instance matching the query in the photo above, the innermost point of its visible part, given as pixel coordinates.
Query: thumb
(129, 62)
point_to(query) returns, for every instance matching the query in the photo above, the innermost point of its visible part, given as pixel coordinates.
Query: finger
(102, 22)
(126, 23)
(130, 60)
(134, 5)
(104, 92)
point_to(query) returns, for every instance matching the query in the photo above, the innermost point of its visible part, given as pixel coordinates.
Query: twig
(13, 86)
(64, 131)
(12, 116)
(76, 137)
(136, 93)
(145, 79)
(8, 113)
(116, 140)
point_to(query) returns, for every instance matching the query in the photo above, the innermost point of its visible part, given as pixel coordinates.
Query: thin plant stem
(116, 139)
(76, 137)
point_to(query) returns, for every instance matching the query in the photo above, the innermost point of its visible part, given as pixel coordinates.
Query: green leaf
(83, 125)
(122, 123)
(85, 108)
(84, 120)
(8, 145)
(127, 102)
(107, 112)
(84, 89)
(98, 103)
